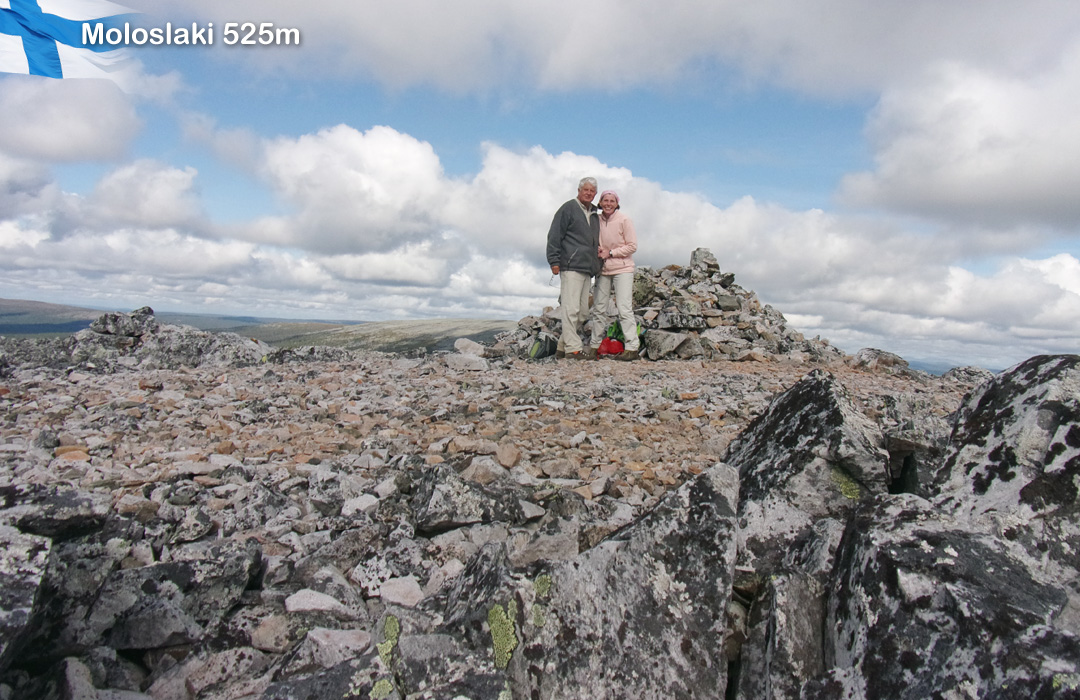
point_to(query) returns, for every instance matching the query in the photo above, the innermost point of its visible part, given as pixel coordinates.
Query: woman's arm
(629, 237)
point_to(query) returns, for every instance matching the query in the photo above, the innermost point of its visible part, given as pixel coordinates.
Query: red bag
(609, 346)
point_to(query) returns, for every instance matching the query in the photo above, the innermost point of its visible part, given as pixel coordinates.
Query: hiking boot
(627, 355)
(559, 354)
(590, 353)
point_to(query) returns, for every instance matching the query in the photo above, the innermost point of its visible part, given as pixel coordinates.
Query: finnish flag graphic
(45, 37)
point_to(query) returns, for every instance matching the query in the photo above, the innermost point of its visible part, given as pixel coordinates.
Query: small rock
(404, 591)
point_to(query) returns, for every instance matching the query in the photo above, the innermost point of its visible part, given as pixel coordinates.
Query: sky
(901, 174)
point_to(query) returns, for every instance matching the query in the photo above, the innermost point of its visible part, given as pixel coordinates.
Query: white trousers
(623, 286)
(574, 290)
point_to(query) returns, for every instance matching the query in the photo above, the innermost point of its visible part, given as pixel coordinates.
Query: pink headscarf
(612, 193)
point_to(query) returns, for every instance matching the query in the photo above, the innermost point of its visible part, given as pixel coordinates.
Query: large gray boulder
(1013, 469)
(444, 500)
(23, 559)
(138, 323)
(922, 606)
(88, 599)
(643, 614)
(811, 455)
(53, 511)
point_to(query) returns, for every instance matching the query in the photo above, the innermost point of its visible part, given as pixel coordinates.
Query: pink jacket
(617, 235)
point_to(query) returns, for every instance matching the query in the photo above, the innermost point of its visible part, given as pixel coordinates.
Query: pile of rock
(695, 312)
(120, 341)
(372, 526)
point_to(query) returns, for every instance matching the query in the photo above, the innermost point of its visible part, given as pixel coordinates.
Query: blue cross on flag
(45, 37)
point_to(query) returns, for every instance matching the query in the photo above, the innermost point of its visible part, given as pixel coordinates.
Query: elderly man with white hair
(573, 253)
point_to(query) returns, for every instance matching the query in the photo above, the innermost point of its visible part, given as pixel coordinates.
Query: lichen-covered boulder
(1013, 468)
(444, 500)
(23, 559)
(362, 677)
(53, 511)
(643, 614)
(783, 649)
(134, 325)
(121, 341)
(805, 465)
(923, 606)
(811, 455)
(873, 359)
(660, 344)
(644, 288)
(88, 599)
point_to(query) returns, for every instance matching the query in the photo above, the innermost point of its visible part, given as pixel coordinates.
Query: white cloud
(148, 194)
(824, 47)
(25, 187)
(65, 120)
(978, 147)
(977, 97)
(13, 236)
(508, 205)
(161, 253)
(368, 191)
(1061, 270)
(408, 265)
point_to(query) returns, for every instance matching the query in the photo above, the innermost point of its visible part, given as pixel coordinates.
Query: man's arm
(554, 240)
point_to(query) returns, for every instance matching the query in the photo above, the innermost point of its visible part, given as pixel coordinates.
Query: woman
(617, 245)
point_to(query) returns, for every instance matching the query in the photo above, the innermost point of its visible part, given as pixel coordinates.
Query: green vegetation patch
(849, 488)
(503, 632)
(391, 632)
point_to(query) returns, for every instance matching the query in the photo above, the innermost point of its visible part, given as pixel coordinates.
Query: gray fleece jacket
(573, 242)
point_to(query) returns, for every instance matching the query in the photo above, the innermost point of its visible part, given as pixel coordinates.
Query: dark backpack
(544, 345)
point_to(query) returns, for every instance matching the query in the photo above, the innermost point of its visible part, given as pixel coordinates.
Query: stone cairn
(695, 312)
(195, 516)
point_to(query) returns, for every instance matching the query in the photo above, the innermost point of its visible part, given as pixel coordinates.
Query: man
(573, 253)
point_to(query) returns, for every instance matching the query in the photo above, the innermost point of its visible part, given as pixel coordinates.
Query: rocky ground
(189, 516)
(629, 430)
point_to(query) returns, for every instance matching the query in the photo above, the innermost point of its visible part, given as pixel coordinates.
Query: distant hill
(388, 336)
(21, 318)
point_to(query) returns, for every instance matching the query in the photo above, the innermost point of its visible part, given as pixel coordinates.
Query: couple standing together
(587, 241)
